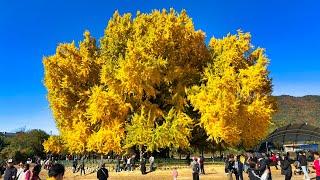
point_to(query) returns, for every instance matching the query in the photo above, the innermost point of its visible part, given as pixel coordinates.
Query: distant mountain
(297, 110)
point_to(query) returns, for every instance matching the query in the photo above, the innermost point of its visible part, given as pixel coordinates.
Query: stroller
(298, 169)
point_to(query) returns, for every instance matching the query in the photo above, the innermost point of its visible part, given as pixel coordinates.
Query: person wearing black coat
(11, 172)
(143, 166)
(102, 173)
(229, 167)
(238, 166)
(304, 164)
(253, 174)
(263, 165)
(286, 168)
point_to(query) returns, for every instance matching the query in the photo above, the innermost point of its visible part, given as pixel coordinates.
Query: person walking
(304, 165)
(316, 164)
(82, 166)
(238, 166)
(11, 172)
(151, 161)
(286, 169)
(102, 173)
(195, 169)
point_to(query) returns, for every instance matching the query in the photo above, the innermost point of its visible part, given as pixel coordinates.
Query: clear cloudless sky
(29, 30)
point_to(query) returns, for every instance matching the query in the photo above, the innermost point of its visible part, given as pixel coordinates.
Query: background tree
(24, 145)
(234, 98)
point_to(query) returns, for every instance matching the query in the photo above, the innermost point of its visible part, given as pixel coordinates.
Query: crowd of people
(23, 171)
(257, 165)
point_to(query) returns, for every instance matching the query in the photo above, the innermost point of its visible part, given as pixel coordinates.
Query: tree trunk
(101, 159)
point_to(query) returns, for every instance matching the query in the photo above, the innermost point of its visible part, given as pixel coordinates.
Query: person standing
(202, 165)
(20, 171)
(102, 173)
(263, 167)
(82, 166)
(26, 172)
(117, 164)
(195, 169)
(35, 172)
(129, 164)
(316, 164)
(286, 168)
(175, 174)
(238, 166)
(74, 165)
(124, 163)
(273, 159)
(133, 162)
(11, 172)
(229, 166)
(143, 165)
(151, 161)
(304, 165)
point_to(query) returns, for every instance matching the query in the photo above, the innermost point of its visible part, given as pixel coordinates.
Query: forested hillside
(297, 110)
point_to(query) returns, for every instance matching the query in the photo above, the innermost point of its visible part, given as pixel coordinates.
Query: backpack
(195, 168)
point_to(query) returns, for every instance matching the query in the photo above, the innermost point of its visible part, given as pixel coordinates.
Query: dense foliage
(134, 88)
(23, 145)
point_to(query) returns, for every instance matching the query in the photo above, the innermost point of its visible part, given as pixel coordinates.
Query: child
(175, 173)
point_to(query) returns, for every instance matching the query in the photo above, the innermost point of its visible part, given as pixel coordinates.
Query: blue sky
(288, 29)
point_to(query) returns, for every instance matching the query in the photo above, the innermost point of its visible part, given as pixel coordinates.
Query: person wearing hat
(11, 172)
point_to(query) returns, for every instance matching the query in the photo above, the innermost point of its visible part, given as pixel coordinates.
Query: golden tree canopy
(234, 98)
(130, 89)
(54, 145)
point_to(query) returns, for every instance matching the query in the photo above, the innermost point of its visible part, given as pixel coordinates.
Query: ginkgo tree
(54, 145)
(234, 97)
(129, 89)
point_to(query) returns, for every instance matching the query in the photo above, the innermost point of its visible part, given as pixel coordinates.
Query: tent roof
(295, 133)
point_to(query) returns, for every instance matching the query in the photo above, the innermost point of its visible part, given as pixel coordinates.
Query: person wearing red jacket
(316, 164)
